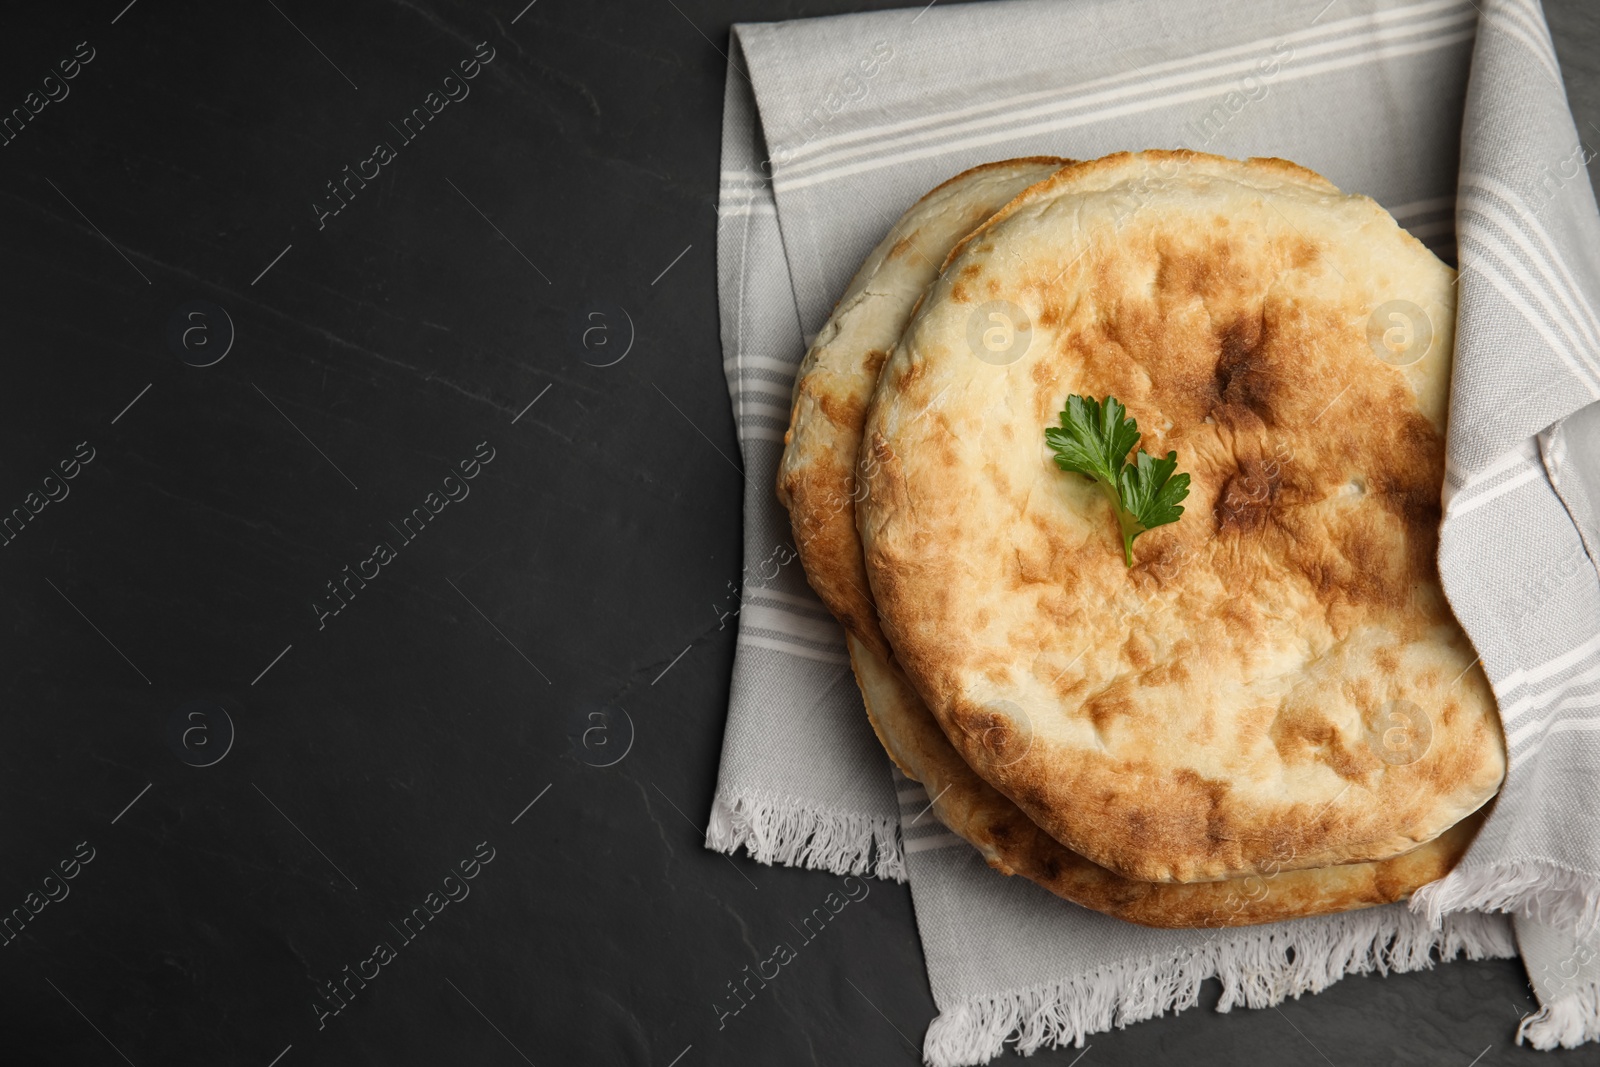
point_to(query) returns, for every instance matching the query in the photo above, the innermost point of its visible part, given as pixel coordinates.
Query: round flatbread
(972, 808)
(1013, 844)
(1278, 682)
(816, 476)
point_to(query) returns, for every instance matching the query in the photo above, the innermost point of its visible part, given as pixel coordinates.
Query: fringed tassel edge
(1569, 1021)
(1543, 890)
(790, 831)
(1258, 967)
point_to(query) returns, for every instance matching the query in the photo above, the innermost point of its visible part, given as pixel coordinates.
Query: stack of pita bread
(1270, 714)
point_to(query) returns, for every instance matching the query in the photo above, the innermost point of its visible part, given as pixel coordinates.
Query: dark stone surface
(168, 594)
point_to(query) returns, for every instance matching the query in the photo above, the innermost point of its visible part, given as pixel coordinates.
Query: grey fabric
(1457, 123)
(1565, 976)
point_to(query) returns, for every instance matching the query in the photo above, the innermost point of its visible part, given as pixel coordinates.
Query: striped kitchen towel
(1448, 112)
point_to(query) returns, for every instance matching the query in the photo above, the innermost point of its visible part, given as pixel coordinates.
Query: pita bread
(816, 477)
(1278, 682)
(972, 808)
(1014, 844)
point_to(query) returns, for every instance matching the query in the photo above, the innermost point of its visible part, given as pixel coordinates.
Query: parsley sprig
(1093, 439)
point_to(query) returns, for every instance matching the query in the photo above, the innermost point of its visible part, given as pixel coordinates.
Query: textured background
(540, 675)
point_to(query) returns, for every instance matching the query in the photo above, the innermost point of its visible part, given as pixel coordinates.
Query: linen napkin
(1452, 115)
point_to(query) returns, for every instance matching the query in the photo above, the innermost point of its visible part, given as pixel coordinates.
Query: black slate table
(355, 598)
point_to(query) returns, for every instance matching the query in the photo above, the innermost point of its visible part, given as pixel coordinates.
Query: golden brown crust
(1229, 700)
(1048, 164)
(816, 477)
(1013, 844)
(1161, 160)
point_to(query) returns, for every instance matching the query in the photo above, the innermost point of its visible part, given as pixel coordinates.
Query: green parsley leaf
(1093, 439)
(1150, 493)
